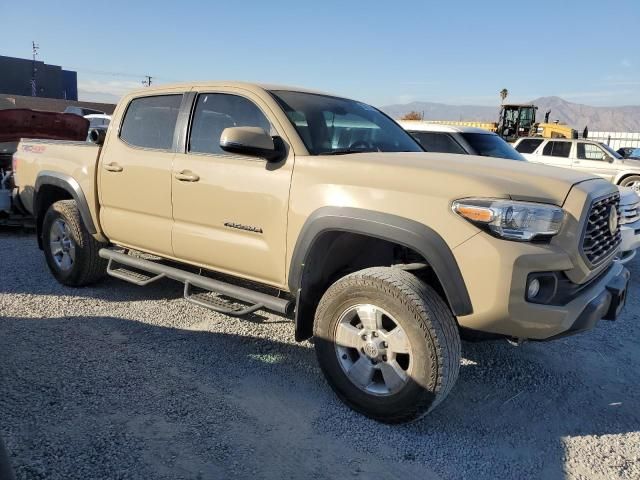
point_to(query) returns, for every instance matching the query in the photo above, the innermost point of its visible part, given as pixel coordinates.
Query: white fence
(617, 140)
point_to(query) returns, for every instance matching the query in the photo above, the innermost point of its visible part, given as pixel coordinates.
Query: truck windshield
(334, 126)
(490, 145)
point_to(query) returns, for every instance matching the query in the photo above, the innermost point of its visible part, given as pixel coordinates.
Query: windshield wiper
(344, 151)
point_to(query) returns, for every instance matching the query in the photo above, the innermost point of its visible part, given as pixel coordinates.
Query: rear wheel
(387, 343)
(633, 182)
(70, 250)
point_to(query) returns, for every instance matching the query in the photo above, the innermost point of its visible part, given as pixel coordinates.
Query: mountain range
(604, 119)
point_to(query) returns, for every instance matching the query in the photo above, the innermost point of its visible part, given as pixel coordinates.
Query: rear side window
(151, 121)
(557, 149)
(216, 111)
(528, 145)
(437, 142)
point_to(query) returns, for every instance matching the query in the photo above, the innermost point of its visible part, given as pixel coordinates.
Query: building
(51, 80)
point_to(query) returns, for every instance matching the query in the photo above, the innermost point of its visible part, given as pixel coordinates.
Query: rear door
(592, 158)
(553, 152)
(135, 174)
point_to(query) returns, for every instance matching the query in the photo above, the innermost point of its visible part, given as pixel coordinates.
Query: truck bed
(73, 159)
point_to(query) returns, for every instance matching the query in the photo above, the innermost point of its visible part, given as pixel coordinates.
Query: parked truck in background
(329, 211)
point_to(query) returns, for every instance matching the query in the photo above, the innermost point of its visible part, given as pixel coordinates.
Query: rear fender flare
(70, 185)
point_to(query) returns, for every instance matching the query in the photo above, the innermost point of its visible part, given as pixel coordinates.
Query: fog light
(533, 289)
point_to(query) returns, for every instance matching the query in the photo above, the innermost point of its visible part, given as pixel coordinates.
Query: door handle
(187, 176)
(113, 167)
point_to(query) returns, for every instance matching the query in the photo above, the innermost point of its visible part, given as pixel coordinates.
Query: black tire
(430, 329)
(88, 267)
(630, 180)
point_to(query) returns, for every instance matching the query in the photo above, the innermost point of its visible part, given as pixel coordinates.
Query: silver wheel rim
(635, 185)
(63, 248)
(373, 350)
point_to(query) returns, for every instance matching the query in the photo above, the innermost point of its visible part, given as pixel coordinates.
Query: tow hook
(517, 342)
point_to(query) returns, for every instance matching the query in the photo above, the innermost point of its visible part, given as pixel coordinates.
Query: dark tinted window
(490, 145)
(217, 111)
(528, 145)
(333, 126)
(437, 142)
(557, 149)
(151, 121)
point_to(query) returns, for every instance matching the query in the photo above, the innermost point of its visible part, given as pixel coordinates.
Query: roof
(559, 139)
(420, 126)
(225, 83)
(49, 104)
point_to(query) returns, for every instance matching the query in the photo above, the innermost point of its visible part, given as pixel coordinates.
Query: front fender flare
(409, 233)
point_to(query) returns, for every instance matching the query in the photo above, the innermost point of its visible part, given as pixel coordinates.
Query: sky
(456, 52)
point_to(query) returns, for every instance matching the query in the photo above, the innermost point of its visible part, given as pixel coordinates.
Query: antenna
(34, 49)
(147, 82)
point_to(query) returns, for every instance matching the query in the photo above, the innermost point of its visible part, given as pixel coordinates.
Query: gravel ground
(117, 381)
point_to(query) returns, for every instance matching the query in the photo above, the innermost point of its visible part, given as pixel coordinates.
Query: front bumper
(630, 241)
(496, 271)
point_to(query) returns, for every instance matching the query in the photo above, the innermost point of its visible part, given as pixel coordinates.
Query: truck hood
(469, 175)
(20, 123)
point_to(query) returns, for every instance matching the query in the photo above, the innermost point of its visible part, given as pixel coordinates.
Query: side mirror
(610, 159)
(253, 141)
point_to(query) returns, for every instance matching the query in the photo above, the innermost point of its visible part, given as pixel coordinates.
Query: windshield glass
(611, 151)
(331, 125)
(490, 145)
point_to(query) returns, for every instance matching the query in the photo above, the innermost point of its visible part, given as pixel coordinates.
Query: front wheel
(387, 344)
(70, 250)
(632, 182)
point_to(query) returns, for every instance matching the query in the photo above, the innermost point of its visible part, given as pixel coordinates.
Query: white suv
(586, 155)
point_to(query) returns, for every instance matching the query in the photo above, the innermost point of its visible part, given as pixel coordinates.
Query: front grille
(629, 213)
(599, 242)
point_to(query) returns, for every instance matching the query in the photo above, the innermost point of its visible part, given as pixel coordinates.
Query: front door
(230, 211)
(592, 158)
(135, 175)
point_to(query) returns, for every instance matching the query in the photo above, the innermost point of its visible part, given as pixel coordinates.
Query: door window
(216, 111)
(557, 149)
(150, 122)
(589, 151)
(437, 142)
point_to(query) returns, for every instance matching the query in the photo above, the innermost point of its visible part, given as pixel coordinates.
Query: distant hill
(610, 119)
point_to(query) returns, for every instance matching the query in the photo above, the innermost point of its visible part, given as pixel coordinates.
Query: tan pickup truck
(330, 212)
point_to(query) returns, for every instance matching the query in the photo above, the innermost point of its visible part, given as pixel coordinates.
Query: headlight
(511, 219)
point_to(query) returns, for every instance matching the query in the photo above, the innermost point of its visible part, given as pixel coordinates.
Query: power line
(117, 74)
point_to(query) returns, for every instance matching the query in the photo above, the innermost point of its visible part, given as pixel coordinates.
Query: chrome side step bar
(157, 271)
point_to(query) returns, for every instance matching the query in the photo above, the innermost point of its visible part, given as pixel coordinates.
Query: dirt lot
(117, 381)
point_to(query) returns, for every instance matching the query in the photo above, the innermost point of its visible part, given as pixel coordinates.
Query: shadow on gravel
(82, 397)
(30, 275)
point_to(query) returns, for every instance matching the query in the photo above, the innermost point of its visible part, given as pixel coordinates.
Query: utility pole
(147, 82)
(34, 49)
